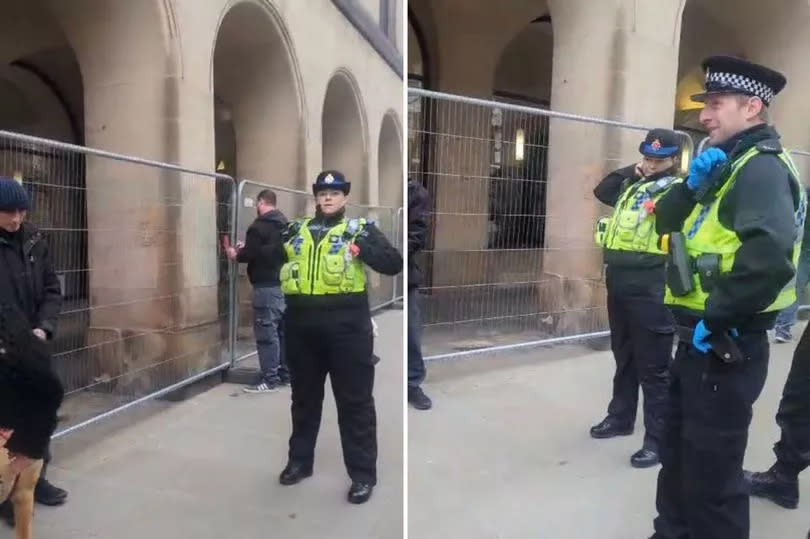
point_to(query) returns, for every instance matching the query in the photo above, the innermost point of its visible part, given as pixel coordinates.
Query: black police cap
(660, 143)
(731, 75)
(331, 179)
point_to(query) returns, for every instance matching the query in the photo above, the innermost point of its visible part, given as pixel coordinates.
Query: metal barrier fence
(134, 246)
(382, 290)
(512, 260)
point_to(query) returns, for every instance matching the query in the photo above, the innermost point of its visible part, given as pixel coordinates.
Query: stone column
(615, 59)
(779, 40)
(152, 252)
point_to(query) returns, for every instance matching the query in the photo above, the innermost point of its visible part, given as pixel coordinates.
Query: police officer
(641, 327)
(733, 231)
(329, 331)
(780, 483)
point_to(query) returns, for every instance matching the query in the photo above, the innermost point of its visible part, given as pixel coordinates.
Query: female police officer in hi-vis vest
(329, 330)
(641, 327)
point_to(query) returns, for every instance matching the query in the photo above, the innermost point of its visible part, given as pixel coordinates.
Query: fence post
(233, 283)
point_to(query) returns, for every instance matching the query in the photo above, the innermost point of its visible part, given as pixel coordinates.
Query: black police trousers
(341, 344)
(793, 417)
(701, 491)
(641, 334)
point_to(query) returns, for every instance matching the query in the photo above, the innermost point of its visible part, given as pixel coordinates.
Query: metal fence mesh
(511, 257)
(135, 249)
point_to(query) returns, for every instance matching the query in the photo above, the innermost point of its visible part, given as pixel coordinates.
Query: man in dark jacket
(738, 221)
(28, 282)
(418, 210)
(263, 252)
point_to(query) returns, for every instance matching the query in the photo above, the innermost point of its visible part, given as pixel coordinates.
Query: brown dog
(18, 477)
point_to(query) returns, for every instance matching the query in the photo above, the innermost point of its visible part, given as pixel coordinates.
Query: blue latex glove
(702, 166)
(700, 338)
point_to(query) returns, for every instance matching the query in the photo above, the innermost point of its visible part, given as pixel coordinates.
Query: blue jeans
(268, 308)
(787, 317)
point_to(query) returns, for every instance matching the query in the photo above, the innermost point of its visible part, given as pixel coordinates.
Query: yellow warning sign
(221, 166)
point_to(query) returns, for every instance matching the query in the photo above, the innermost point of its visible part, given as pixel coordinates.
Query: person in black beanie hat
(29, 284)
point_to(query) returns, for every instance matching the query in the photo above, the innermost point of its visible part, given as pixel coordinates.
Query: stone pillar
(779, 40)
(152, 236)
(615, 59)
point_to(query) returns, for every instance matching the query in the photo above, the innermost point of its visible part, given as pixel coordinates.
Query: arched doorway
(42, 94)
(389, 162)
(517, 192)
(344, 134)
(257, 98)
(258, 123)
(705, 31)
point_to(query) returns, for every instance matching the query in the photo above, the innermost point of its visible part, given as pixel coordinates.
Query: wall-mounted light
(520, 142)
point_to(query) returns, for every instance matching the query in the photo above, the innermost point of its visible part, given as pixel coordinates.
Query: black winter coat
(30, 393)
(418, 223)
(264, 251)
(27, 278)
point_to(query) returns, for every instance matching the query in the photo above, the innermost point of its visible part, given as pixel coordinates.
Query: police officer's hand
(700, 338)
(702, 166)
(40, 333)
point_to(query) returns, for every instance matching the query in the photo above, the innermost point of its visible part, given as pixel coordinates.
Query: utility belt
(681, 267)
(724, 346)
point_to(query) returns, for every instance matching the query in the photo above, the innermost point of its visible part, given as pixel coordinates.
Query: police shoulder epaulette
(769, 146)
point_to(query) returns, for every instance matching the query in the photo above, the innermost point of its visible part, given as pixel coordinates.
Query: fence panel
(512, 260)
(295, 203)
(134, 246)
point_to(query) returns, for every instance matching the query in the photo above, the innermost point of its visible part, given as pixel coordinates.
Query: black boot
(418, 399)
(359, 492)
(609, 428)
(293, 473)
(645, 457)
(7, 513)
(777, 485)
(48, 494)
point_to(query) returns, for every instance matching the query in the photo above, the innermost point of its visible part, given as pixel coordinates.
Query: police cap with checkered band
(731, 75)
(331, 179)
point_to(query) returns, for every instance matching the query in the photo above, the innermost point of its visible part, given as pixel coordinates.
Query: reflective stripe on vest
(630, 227)
(705, 235)
(329, 267)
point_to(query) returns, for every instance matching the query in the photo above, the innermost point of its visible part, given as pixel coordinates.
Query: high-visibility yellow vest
(630, 227)
(326, 268)
(706, 236)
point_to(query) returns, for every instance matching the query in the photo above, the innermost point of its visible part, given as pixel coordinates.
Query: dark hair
(267, 196)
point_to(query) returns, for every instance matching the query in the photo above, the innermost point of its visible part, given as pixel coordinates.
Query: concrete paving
(505, 453)
(208, 468)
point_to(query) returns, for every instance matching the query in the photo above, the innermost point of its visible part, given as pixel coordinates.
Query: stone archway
(389, 162)
(42, 94)
(344, 134)
(257, 92)
(258, 123)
